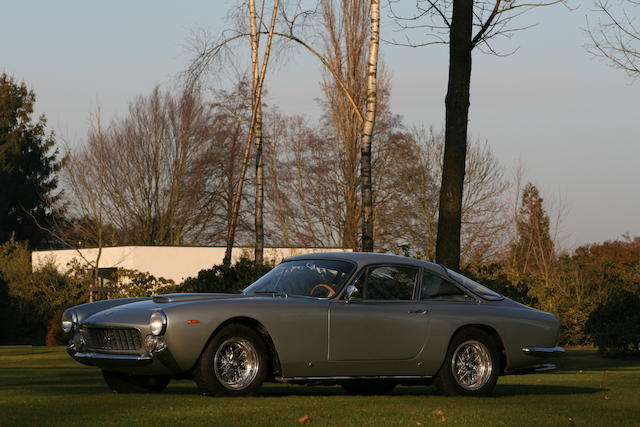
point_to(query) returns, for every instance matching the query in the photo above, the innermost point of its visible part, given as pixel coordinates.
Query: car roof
(366, 258)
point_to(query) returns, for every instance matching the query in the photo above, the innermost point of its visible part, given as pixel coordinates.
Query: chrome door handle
(422, 312)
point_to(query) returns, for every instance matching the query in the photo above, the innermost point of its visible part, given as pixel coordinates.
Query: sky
(566, 117)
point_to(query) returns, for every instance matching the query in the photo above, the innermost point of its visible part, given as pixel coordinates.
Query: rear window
(475, 287)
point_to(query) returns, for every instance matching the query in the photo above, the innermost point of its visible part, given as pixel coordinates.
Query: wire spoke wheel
(236, 363)
(471, 365)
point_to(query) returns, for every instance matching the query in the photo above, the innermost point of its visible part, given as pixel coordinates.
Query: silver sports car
(364, 321)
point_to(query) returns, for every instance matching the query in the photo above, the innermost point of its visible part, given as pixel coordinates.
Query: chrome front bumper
(543, 351)
(108, 359)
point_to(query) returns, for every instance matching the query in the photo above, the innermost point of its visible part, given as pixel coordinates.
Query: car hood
(137, 311)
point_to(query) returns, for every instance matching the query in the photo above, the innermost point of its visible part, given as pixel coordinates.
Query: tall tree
(455, 136)
(413, 185)
(367, 128)
(28, 166)
(259, 72)
(407, 171)
(154, 175)
(490, 18)
(291, 21)
(533, 250)
(345, 33)
(616, 35)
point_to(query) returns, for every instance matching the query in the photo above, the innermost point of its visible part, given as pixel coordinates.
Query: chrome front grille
(112, 338)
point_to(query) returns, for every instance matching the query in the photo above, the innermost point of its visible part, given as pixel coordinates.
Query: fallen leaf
(304, 419)
(438, 412)
(606, 397)
(418, 423)
(443, 420)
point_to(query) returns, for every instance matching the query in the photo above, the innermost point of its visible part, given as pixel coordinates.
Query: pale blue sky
(571, 120)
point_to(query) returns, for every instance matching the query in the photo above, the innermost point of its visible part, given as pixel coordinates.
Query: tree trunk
(235, 205)
(455, 150)
(256, 117)
(367, 129)
(259, 201)
(259, 249)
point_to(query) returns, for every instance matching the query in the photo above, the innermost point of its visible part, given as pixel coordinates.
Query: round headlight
(69, 321)
(158, 322)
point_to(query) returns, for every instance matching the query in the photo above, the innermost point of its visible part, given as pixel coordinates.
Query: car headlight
(69, 321)
(158, 322)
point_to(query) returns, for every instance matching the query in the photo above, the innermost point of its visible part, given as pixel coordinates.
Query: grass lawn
(43, 386)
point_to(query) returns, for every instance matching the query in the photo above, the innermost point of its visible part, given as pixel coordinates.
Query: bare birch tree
(407, 170)
(615, 37)
(345, 35)
(290, 23)
(367, 128)
(255, 133)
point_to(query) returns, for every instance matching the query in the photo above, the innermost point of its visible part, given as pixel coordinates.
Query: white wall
(171, 262)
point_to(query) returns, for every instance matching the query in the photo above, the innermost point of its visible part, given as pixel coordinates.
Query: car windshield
(311, 278)
(475, 287)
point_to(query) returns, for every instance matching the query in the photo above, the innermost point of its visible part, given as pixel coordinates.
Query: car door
(383, 321)
(449, 306)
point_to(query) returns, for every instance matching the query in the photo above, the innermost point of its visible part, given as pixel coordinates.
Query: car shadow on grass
(541, 389)
(500, 391)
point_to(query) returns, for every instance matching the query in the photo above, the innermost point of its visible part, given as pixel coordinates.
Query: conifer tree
(533, 249)
(28, 166)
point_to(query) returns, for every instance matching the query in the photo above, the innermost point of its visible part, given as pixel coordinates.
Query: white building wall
(171, 262)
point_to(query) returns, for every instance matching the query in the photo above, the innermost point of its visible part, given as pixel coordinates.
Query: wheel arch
(493, 333)
(274, 360)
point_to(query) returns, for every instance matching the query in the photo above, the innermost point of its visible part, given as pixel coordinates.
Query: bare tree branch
(615, 38)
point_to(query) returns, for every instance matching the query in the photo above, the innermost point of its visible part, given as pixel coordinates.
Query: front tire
(234, 363)
(472, 365)
(128, 383)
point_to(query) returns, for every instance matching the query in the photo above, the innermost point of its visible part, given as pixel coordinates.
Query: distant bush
(615, 324)
(29, 300)
(495, 277)
(55, 335)
(223, 279)
(133, 283)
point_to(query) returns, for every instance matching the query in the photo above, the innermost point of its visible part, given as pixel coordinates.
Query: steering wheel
(323, 286)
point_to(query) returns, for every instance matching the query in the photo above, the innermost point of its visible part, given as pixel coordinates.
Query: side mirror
(351, 289)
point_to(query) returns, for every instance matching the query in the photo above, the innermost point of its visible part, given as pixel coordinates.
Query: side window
(390, 283)
(436, 288)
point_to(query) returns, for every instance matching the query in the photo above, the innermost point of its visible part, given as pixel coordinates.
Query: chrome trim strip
(543, 351)
(103, 356)
(372, 377)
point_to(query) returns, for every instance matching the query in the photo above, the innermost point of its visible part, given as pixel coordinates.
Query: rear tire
(234, 363)
(368, 387)
(127, 383)
(471, 366)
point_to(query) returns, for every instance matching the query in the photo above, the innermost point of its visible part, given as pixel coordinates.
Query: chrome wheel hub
(236, 363)
(471, 365)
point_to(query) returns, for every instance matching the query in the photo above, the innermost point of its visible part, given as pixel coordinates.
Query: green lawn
(43, 386)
